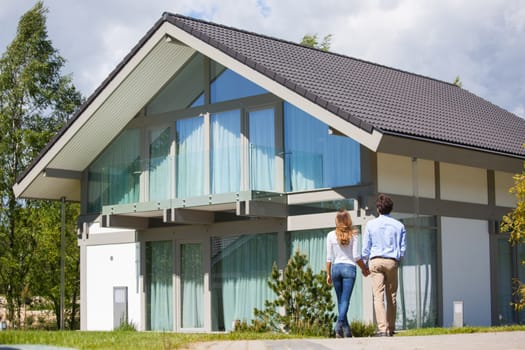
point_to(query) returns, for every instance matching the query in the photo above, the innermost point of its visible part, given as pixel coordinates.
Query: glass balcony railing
(206, 178)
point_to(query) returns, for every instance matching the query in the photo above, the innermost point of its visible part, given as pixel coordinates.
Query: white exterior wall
(108, 266)
(503, 182)
(395, 175)
(463, 183)
(466, 270)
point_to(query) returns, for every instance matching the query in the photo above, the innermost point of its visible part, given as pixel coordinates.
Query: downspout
(62, 259)
(415, 192)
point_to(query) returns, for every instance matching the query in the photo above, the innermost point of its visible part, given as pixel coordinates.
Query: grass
(124, 340)
(130, 340)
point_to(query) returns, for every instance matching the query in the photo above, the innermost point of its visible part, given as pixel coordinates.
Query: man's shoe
(381, 334)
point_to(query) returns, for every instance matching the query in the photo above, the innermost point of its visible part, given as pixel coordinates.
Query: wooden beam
(124, 221)
(63, 174)
(262, 209)
(188, 216)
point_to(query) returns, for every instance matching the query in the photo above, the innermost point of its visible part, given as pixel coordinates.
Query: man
(384, 247)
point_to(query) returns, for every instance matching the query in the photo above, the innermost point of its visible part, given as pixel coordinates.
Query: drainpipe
(415, 190)
(62, 272)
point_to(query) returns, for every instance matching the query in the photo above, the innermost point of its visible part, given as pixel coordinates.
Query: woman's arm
(329, 273)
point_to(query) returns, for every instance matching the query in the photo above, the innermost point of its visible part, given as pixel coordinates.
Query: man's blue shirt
(384, 237)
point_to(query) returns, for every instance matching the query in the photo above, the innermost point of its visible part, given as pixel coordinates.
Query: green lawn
(123, 340)
(165, 341)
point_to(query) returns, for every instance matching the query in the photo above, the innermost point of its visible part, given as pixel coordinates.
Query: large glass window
(192, 285)
(417, 298)
(159, 164)
(262, 149)
(241, 266)
(159, 287)
(504, 278)
(185, 90)
(506, 275)
(190, 157)
(114, 177)
(227, 85)
(226, 152)
(313, 157)
(313, 244)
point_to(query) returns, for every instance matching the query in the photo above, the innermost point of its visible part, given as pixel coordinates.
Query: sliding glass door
(159, 287)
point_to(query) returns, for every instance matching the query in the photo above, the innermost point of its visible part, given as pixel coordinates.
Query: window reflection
(228, 85)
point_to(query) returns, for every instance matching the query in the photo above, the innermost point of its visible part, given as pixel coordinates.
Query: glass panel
(313, 244)
(225, 152)
(239, 277)
(228, 85)
(262, 150)
(159, 164)
(504, 276)
(159, 288)
(417, 293)
(190, 157)
(192, 286)
(184, 90)
(114, 177)
(321, 207)
(313, 157)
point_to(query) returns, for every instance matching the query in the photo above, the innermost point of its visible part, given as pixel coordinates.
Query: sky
(481, 41)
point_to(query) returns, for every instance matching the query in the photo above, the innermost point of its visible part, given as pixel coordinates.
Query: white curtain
(262, 150)
(192, 286)
(159, 269)
(159, 164)
(225, 152)
(241, 267)
(417, 298)
(190, 157)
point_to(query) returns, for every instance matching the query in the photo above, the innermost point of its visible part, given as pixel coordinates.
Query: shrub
(361, 329)
(303, 303)
(126, 326)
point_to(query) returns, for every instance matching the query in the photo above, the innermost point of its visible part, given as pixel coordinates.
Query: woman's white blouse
(338, 254)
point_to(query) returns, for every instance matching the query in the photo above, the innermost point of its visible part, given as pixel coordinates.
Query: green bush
(303, 303)
(126, 326)
(361, 329)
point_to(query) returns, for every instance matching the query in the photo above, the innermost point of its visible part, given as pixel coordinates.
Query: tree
(311, 40)
(305, 297)
(45, 275)
(514, 223)
(35, 101)
(457, 81)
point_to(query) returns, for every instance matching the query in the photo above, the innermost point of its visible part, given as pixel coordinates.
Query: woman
(341, 259)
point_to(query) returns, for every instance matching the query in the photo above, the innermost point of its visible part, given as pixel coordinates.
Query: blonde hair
(343, 227)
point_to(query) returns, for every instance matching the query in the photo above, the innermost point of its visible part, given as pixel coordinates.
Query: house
(209, 153)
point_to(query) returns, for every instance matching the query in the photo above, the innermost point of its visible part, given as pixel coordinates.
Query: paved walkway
(474, 341)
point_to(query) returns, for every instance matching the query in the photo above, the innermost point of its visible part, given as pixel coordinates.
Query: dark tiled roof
(370, 95)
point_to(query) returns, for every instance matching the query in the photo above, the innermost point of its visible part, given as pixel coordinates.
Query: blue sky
(482, 41)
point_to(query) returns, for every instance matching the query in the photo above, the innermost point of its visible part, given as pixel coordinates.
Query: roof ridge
(166, 15)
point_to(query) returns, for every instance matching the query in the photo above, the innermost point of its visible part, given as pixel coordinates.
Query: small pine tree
(304, 298)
